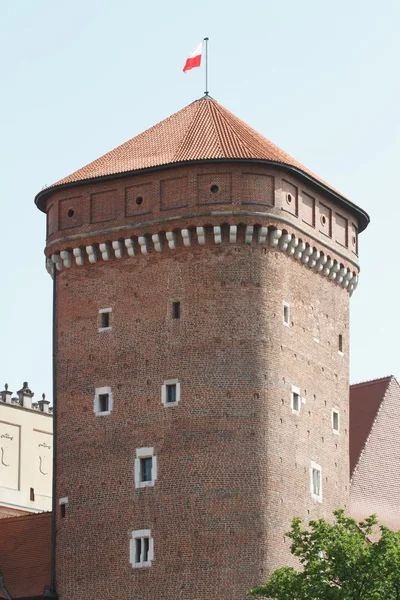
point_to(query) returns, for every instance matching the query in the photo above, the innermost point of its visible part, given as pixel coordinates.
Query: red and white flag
(194, 59)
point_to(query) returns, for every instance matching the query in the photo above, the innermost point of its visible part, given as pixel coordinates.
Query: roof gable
(365, 400)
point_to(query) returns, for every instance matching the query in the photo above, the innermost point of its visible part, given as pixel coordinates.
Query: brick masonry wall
(375, 483)
(233, 461)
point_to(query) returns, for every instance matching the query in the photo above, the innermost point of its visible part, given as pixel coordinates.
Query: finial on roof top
(206, 41)
(43, 396)
(6, 386)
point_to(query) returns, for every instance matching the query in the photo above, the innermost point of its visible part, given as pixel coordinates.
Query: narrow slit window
(296, 401)
(316, 478)
(104, 402)
(146, 544)
(62, 511)
(138, 552)
(340, 343)
(176, 310)
(171, 393)
(146, 467)
(105, 320)
(286, 313)
(335, 421)
(316, 482)
(32, 495)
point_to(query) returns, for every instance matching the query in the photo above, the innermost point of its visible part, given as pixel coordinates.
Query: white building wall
(26, 450)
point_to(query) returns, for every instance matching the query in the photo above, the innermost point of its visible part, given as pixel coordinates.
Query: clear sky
(318, 78)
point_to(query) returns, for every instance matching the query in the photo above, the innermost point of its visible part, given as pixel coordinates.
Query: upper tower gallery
(146, 185)
(202, 281)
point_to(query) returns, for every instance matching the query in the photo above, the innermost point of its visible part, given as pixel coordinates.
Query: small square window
(176, 310)
(145, 467)
(105, 319)
(316, 482)
(141, 548)
(296, 401)
(171, 392)
(286, 314)
(335, 421)
(103, 401)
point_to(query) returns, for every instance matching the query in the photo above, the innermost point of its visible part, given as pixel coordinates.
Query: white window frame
(285, 305)
(315, 466)
(337, 412)
(140, 454)
(101, 311)
(96, 404)
(164, 392)
(141, 534)
(295, 390)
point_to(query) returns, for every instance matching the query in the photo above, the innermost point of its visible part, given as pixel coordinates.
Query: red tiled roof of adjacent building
(25, 554)
(365, 400)
(203, 130)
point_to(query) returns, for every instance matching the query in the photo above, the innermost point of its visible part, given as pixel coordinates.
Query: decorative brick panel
(258, 189)
(214, 188)
(307, 209)
(174, 192)
(71, 212)
(103, 206)
(139, 199)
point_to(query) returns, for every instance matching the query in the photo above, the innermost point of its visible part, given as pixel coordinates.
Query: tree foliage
(340, 561)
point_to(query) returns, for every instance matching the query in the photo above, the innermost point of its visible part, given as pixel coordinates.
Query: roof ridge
(231, 126)
(25, 517)
(370, 381)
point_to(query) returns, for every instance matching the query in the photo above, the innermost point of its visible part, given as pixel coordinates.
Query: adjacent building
(26, 442)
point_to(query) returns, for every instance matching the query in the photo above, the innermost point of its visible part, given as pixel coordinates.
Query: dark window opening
(286, 314)
(176, 310)
(171, 393)
(138, 550)
(62, 511)
(146, 549)
(296, 402)
(139, 200)
(146, 466)
(335, 421)
(214, 189)
(104, 401)
(105, 319)
(340, 343)
(32, 495)
(71, 213)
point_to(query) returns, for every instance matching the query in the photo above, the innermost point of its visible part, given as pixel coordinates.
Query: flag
(194, 59)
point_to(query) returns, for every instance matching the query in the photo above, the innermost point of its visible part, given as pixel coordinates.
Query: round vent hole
(323, 219)
(139, 200)
(71, 213)
(289, 198)
(214, 189)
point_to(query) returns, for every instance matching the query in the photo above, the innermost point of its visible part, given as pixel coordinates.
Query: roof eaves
(363, 216)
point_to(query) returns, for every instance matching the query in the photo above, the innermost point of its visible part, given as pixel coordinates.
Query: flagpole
(206, 41)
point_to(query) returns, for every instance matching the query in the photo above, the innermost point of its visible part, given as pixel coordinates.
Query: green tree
(340, 561)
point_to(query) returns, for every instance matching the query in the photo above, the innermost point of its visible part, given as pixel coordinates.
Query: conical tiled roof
(203, 130)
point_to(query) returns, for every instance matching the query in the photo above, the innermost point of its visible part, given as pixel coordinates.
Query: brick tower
(202, 296)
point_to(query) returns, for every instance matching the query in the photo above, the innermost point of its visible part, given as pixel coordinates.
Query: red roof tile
(203, 130)
(365, 400)
(25, 554)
